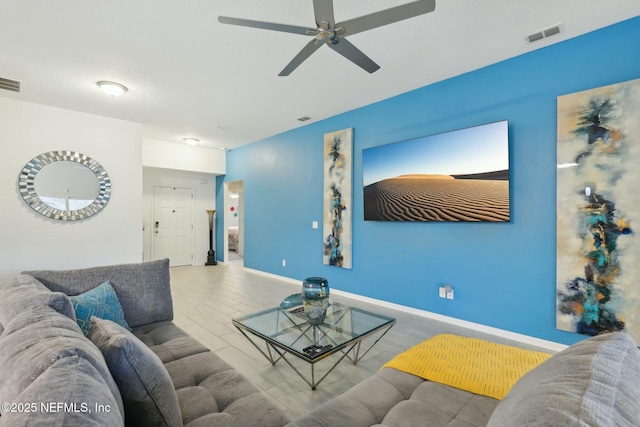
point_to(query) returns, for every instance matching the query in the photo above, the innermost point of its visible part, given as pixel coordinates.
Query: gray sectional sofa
(594, 383)
(45, 358)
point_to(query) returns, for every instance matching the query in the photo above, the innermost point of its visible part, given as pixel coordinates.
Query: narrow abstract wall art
(337, 218)
(598, 205)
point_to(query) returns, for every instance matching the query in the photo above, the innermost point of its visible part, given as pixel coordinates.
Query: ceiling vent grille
(543, 34)
(11, 85)
(552, 31)
(303, 118)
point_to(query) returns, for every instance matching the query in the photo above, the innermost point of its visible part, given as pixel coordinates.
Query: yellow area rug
(471, 364)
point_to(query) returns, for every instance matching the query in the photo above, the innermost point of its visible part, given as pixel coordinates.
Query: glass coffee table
(288, 333)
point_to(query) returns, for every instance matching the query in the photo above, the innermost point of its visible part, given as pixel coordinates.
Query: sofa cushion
(168, 341)
(471, 364)
(70, 380)
(592, 383)
(25, 291)
(35, 345)
(147, 391)
(101, 302)
(143, 289)
(211, 392)
(395, 398)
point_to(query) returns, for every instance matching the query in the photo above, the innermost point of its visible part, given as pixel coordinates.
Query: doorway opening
(233, 221)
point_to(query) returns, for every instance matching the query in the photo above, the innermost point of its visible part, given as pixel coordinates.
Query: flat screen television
(458, 176)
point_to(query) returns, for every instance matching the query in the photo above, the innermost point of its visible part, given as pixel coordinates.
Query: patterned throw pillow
(101, 302)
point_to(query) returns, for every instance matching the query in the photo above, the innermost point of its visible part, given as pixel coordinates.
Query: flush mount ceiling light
(112, 88)
(191, 141)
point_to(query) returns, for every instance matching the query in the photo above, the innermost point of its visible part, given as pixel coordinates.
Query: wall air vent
(543, 34)
(8, 84)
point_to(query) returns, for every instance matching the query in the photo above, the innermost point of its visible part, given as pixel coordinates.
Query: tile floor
(207, 298)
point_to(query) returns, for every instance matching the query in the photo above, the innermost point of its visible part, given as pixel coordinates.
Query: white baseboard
(526, 339)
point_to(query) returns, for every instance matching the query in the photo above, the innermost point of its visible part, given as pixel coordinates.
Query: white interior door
(173, 225)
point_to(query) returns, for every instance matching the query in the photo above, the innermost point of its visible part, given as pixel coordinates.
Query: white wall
(204, 197)
(169, 155)
(31, 241)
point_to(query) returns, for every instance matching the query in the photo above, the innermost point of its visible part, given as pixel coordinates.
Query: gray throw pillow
(592, 383)
(147, 391)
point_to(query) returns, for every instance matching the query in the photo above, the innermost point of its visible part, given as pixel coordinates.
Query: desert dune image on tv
(461, 176)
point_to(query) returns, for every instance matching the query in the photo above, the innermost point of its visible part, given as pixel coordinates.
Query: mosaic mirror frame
(27, 189)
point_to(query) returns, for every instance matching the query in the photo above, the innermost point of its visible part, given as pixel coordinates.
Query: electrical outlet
(450, 294)
(284, 262)
(442, 293)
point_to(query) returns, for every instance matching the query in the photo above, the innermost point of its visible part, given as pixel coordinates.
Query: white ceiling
(189, 75)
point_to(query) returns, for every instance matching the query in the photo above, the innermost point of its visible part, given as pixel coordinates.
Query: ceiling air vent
(535, 37)
(303, 118)
(552, 31)
(11, 85)
(543, 34)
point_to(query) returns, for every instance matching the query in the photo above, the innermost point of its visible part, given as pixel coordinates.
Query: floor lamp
(211, 255)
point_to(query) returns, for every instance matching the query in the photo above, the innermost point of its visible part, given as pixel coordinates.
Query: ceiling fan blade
(387, 16)
(306, 52)
(355, 55)
(323, 10)
(267, 25)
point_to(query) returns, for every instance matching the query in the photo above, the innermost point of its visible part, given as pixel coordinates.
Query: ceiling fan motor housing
(326, 36)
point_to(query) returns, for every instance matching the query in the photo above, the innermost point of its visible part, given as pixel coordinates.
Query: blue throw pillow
(101, 302)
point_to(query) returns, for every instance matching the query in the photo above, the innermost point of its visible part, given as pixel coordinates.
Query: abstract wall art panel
(458, 176)
(337, 218)
(598, 208)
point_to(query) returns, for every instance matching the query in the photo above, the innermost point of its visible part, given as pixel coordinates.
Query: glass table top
(343, 325)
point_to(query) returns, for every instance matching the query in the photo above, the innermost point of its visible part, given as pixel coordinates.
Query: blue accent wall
(503, 273)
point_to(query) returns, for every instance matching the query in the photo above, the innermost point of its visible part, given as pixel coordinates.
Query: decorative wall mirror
(65, 185)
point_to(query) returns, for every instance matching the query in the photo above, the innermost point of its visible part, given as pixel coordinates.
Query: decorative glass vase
(315, 299)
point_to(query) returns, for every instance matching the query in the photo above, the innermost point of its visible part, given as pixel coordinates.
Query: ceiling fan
(333, 34)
